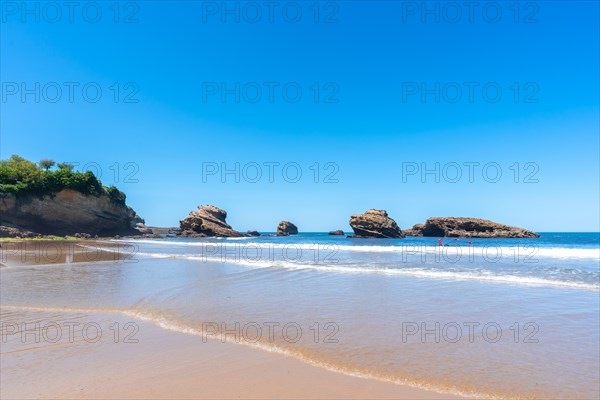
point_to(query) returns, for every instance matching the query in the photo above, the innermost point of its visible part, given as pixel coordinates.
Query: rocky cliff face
(208, 221)
(375, 224)
(286, 228)
(468, 227)
(65, 213)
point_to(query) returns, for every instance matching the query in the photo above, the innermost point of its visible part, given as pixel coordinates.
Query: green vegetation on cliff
(19, 177)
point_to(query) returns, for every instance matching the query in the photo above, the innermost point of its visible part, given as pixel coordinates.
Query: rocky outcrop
(469, 228)
(65, 213)
(207, 221)
(338, 232)
(252, 233)
(375, 224)
(143, 229)
(286, 228)
(14, 232)
(416, 230)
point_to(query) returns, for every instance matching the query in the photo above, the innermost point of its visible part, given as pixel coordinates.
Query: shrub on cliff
(115, 194)
(19, 176)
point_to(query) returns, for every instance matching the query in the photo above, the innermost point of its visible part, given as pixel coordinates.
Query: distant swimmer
(470, 242)
(440, 242)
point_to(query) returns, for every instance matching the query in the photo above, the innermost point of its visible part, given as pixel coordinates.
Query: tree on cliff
(65, 166)
(47, 164)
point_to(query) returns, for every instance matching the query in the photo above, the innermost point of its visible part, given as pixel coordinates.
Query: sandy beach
(161, 364)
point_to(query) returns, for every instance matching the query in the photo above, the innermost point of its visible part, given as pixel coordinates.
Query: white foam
(481, 275)
(532, 251)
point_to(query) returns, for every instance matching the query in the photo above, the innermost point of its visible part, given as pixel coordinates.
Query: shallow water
(494, 318)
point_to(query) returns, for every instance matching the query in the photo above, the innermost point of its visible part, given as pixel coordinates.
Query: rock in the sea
(469, 228)
(65, 213)
(416, 230)
(252, 233)
(338, 232)
(207, 221)
(375, 224)
(286, 228)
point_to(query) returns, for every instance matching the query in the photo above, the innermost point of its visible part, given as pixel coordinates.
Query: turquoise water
(509, 318)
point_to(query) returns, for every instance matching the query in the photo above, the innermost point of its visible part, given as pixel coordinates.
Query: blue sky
(368, 67)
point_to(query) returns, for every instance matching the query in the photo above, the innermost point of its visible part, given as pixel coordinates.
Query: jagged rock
(286, 228)
(470, 228)
(252, 233)
(375, 224)
(65, 213)
(338, 232)
(208, 221)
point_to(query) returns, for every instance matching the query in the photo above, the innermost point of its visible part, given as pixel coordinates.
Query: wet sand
(43, 252)
(162, 364)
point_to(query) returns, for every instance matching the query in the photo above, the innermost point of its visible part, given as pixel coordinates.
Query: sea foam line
(523, 251)
(168, 325)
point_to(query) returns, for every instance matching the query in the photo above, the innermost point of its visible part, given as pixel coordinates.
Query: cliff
(65, 213)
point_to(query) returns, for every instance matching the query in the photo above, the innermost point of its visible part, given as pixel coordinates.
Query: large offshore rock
(469, 227)
(207, 221)
(286, 228)
(375, 224)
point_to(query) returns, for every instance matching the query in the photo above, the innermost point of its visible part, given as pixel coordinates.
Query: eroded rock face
(469, 227)
(207, 221)
(338, 232)
(375, 224)
(286, 228)
(67, 212)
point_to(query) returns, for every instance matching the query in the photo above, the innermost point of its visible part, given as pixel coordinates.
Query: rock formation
(11, 231)
(143, 229)
(65, 213)
(252, 233)
(207, 221)
(286, 228)
(416, 230)
(375, 224)
(338, 232)
(468, 227)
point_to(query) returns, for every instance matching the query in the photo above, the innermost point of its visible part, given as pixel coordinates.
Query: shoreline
(169, 364)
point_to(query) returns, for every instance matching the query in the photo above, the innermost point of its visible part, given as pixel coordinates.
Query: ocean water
(491, 318)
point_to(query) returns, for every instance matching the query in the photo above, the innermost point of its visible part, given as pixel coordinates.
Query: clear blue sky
(371, 57)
